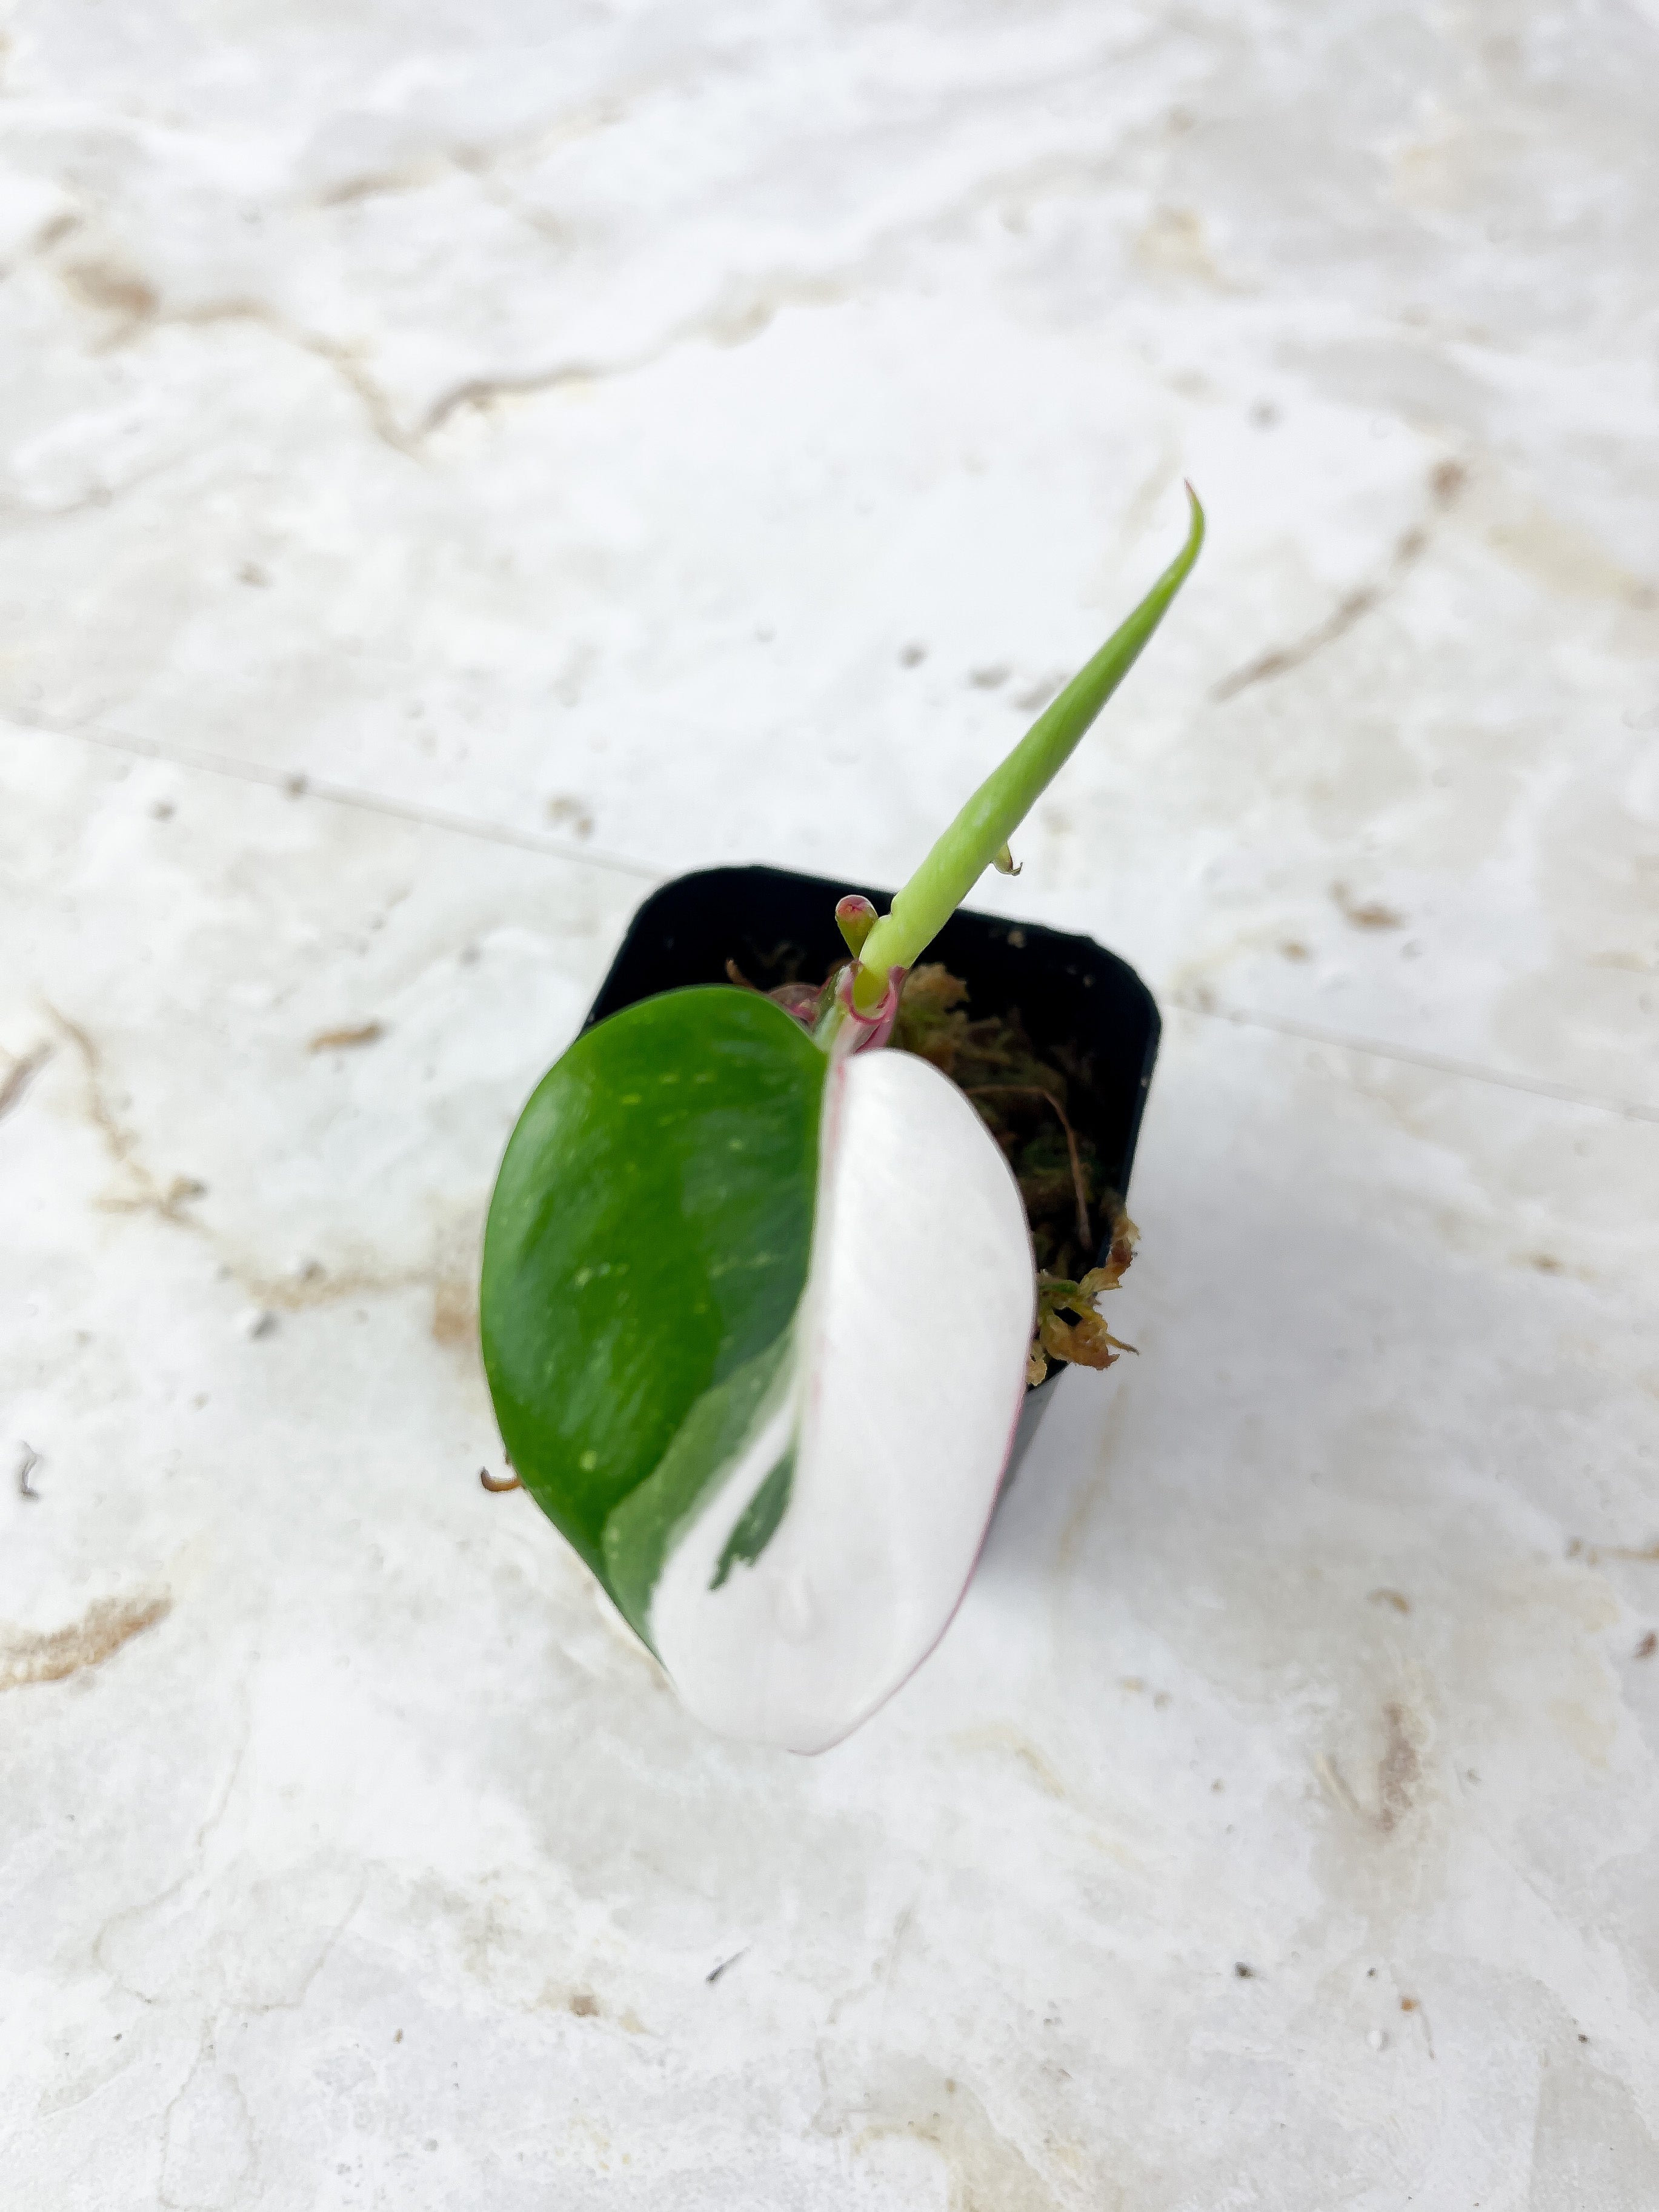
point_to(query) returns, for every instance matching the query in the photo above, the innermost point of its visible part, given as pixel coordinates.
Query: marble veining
(459, 467)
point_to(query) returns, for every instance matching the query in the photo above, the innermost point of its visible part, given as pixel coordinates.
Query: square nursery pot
(780, 928)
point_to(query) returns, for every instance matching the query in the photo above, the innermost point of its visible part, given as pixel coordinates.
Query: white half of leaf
(911, 1349)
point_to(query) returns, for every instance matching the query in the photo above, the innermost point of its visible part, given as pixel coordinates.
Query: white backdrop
(460, 465)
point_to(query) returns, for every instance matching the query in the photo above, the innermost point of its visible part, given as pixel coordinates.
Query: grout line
(1246, 1018)
(301, 786)
(435, 817)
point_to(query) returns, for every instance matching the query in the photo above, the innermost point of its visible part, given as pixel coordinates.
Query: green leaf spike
(982, 830)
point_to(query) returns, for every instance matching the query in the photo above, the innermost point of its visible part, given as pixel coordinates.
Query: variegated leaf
(756, 1323)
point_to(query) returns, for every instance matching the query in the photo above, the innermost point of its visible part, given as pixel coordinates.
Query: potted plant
(766, 1293)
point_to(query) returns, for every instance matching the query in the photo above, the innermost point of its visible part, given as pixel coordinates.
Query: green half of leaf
(646, 1248)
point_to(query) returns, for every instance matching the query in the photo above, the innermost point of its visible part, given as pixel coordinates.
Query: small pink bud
(855, 917)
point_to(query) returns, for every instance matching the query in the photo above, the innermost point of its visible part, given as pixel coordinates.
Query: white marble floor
(460, 466)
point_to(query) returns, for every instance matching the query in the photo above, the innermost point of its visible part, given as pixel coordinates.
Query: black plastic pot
(781, 927)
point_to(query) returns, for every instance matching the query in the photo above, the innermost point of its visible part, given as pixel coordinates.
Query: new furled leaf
(983, 829)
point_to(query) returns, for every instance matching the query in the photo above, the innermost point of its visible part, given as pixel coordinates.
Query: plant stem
(1007, 795)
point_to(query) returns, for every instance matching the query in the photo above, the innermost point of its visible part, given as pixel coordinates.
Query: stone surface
(457, 466)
